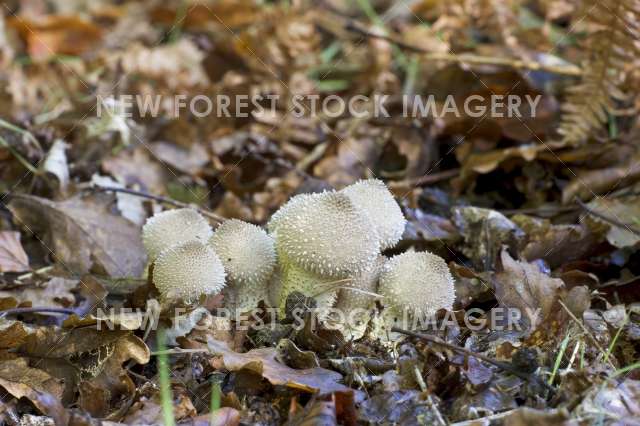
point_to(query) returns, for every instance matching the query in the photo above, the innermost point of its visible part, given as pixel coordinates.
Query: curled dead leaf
(12, 255)
(57, 35)
(83, 235)
(263, 362)
(523, 286)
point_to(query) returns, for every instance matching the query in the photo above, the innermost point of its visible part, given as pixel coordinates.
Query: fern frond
(611, 45)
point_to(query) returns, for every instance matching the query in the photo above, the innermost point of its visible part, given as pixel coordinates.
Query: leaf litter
(526, 219)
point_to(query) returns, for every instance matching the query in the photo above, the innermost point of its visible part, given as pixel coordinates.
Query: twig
(500, 364)
(159, 199)
(608, 219)
(18, 311)
(425, 180)
(570, 70)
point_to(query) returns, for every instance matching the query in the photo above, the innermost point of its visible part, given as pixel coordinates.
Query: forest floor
(506, 130)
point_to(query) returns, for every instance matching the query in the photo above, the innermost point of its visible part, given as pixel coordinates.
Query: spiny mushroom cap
(173, 227)
(419, 282)
(294, 278)
(188, 270)
(375, 199)
(247, 253)
(282, 212)
(326, 234)
(360, 292)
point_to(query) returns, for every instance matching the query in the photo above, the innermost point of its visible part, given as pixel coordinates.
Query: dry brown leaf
(589, 184)
(83, 235)
(354, 158)
(43, 390)
(557, 244)
(137, 169)
(88, 359)
(625, 210)
(187, 160)
(178, 65)
(226, 13)
(57, 292)
(523, 286)
(12, 334)
(485, 232)
(57, 35)
(12, 255)
(263, 362)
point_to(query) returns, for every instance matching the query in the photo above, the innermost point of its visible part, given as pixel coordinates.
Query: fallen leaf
(398, 407)
(523, 286)
(136, 169)
(591, 183)
(12, 334)
(187, 160)
(625, 210)
(485, 232)
(130, 206)
(12, 255)
(619, 402)
(55, 35)
(557, 244)
(57, 292)
(43, 390)
(525, 416)
(82, 235)
(263, 362)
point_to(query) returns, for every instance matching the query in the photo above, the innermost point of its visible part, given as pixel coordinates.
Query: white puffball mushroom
(375, 199)
(187, 271)
(247, 252)
(327, 235)
(249, 258)
(173, 227)
(418, 282)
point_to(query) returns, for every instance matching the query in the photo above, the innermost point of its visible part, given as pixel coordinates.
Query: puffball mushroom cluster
(324, 245)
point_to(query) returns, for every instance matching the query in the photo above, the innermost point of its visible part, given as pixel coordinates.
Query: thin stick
(159, 199)
(425, 180)
(570, 70)
(608, 219)
(18, 311)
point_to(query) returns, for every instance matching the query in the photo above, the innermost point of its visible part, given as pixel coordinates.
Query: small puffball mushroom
(173, 227)
(249, 258)
(417, 282)
(327, 235)
(375, 199)
(187, 271)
